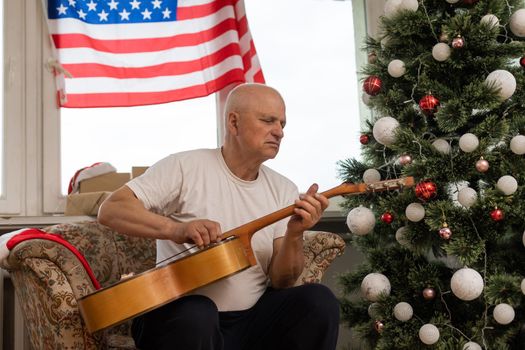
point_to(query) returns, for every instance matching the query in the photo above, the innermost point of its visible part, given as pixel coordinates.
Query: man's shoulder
(195, 154)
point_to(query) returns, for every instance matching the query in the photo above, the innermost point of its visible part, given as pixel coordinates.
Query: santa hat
(93, 170)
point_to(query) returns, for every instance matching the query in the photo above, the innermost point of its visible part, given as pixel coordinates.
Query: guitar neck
(343, 189)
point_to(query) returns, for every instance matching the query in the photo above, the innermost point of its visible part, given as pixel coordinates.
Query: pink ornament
(429, 293)
(405, 159)
(482, 165)
(445, 232)
(458, 42)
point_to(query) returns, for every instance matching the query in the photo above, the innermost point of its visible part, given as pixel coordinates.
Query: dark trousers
(303, 318)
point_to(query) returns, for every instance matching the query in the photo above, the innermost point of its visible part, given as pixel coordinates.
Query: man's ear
(232, 122)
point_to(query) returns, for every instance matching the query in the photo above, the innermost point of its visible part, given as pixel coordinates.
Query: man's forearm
(288, 263)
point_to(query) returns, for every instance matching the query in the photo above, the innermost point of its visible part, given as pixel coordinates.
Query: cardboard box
(107, 182)
(85, 203)
(138, 170)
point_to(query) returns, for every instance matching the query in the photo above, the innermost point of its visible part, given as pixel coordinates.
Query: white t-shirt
(198, 185)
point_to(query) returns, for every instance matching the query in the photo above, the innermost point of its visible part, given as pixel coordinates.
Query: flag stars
(124, 15)
(135, 5)
(81, 14)
(166, 13)
(103, 16)
(113, 5)
(92, 6)
(62, 9)
(72, 3)
(146, 14)
(156, 4)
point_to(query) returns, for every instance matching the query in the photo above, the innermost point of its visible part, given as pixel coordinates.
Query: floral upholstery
(49, 278)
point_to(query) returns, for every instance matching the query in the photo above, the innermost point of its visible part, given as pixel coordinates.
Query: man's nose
(278, 131)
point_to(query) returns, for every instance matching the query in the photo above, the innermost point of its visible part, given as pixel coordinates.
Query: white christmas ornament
(452, 1)
(365, 98)
(467, 197)
(403, 311)
(441, 52)
(375, 284)
(442, 146)
(517, 23)
(429, 334)
(491, 20)
(471, 346)
(415, 212)
(396, 68)
(373, 310)
(468, 142)
(392, 7)
(523, 280)
(401, 236)
(384, 130)
(517, 144)
(504, 313)
(466, 284)
(507, 184)
(360, 221)
(371, 176)
(409, 5)
(504, 80)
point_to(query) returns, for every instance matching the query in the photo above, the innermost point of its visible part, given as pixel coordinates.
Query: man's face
(261, 127)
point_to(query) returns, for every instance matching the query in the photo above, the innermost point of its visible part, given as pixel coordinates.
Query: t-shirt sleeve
(159, 187)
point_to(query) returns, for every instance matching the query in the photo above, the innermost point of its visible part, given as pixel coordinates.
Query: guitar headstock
(392, 184)
(386, 185)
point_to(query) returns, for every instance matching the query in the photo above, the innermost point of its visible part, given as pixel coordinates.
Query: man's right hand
(200, 232)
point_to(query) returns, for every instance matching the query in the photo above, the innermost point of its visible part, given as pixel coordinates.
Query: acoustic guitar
(138, 294)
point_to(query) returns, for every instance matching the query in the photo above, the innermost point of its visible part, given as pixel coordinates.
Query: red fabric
(34, 233)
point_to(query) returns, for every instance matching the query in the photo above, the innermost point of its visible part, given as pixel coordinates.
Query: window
(12, 117)
(309, 56)
(307, 52)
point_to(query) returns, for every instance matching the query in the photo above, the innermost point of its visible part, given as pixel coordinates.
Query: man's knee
(321, 301)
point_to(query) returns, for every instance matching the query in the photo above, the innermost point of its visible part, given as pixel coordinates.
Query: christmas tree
(444, 260)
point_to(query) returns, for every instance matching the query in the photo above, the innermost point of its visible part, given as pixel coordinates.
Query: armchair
(49, 278)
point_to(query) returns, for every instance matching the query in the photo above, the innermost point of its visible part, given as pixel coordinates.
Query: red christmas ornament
(429, 104)
(522, 61)
(426, 190)
(372, 85)
(445, 232)
(387, 218)
(364, 139)
(497, 214)
(458, 42)
(429, 293)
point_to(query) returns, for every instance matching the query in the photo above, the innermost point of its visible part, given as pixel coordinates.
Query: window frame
(32, 118)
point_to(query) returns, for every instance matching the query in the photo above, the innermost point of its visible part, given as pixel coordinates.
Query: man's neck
(245, 169)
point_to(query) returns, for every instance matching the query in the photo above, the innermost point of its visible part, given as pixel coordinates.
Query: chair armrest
(48, 279)
(320, 249)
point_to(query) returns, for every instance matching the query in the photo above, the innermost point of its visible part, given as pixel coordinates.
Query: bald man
(190, 198)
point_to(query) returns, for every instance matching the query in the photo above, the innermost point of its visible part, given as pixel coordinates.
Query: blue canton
(114, 11)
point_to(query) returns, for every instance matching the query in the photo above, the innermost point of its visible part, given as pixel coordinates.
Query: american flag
(138, 52)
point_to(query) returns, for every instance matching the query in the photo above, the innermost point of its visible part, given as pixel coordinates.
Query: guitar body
(144, 292)
(141, 293)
